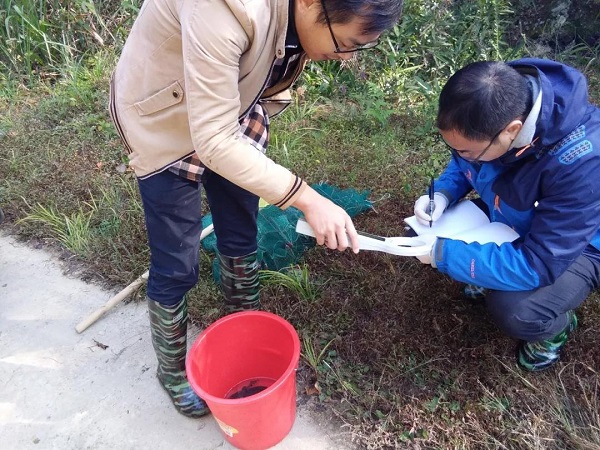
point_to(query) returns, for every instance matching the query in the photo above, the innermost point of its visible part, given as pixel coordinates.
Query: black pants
(541, 313)
(172, 210)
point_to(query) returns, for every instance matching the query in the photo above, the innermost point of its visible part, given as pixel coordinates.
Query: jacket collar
(292, 43)
(527, 133)
(284, 9)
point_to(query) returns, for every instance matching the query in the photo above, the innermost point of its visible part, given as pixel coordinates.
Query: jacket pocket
(169, 96)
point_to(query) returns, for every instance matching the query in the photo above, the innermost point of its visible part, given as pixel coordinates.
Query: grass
(312, 354)
(41, 37)
(389, 348)
(63, 175)
(73, 232)
(295, 279)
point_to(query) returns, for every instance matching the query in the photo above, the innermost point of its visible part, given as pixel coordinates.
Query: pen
(431, 202)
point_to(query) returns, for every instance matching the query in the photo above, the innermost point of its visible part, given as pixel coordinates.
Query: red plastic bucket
(244, 367)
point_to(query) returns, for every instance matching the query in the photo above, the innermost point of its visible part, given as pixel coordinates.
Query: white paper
(400, 246)
(466, 222)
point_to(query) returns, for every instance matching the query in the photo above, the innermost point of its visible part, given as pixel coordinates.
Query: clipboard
(399, 246)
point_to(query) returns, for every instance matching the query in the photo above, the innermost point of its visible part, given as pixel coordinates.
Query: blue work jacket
(549, 193)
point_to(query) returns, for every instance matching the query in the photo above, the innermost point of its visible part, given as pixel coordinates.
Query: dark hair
(378, 15)
(482, 98)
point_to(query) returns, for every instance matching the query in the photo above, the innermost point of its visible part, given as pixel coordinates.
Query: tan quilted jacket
(189, 70)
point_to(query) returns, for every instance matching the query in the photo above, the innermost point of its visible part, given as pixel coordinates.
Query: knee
(188, 280)
(517, 319)
(519, 328)
(169, 289)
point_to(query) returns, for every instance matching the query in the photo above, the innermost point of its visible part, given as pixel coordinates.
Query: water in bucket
(247, 388)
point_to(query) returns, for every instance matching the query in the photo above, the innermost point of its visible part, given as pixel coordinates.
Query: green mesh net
(279, 246)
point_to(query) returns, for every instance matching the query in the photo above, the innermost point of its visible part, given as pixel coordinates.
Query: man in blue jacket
(524, 136)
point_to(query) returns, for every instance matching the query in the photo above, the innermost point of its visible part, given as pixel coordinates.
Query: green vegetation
(389, 348)
(295, 279)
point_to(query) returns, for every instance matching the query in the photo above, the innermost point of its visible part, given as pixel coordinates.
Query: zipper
(294, 77)
(497, 212)
(115, 117)
(260, 92)
(296, 74)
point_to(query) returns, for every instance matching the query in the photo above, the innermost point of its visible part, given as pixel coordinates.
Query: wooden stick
(89, 320)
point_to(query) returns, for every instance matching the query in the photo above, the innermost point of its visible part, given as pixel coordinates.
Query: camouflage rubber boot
(169, 338)
(239, 282)
(541, 355)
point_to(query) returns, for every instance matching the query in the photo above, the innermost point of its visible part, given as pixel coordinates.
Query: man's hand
(332, 225)
(427, 257)
(422, 213)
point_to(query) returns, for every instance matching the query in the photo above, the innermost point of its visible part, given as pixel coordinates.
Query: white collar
(527, 132)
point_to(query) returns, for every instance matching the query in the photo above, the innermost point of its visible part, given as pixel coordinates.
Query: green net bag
(279, 246)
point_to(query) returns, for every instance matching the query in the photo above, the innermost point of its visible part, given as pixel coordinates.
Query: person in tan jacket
(191, 97)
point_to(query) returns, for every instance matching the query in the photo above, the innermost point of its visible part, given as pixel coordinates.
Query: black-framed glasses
(367, 46)
(483, 152)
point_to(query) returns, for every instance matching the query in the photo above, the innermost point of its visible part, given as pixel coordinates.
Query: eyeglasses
(367, 46)
(482, 153)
